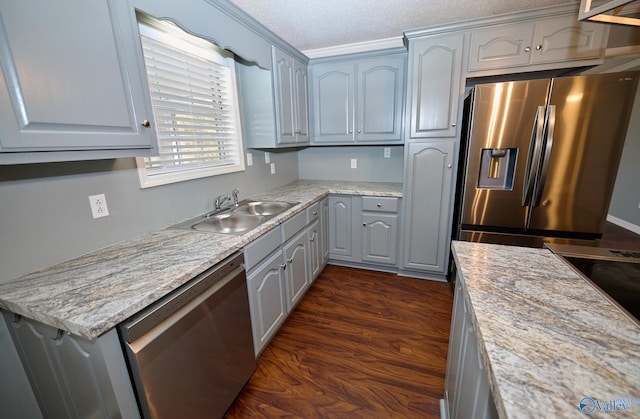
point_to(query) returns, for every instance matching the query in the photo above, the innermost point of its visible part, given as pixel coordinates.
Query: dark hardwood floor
(616, 237)
(359, 344)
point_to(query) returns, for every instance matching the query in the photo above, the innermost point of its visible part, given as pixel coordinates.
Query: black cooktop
(620, 280)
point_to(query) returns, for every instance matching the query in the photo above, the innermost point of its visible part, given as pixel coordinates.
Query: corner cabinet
(538, 44)
(358, 100)
(435, 85)
(428, 196)
(73, 82)
(275, 103)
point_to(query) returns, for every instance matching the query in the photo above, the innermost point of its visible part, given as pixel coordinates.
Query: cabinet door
(379, 238)
(340, 231)
(284, 96)
(297, 272)
(379, 99)
(333, 103)
(324, 230)
(435, 79)
(428, 205)
(267, 300)
(73, 377)
(301, 101)
(565, 39)
(502, 46)
(73, 80)
(315, 249)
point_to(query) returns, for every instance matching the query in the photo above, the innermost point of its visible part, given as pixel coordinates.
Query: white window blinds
(194, 97)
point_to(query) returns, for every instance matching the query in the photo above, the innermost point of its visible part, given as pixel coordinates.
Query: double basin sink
(237, 219)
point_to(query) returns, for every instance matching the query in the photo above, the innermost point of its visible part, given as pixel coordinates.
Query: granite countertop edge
(547, 338)
(89, 295)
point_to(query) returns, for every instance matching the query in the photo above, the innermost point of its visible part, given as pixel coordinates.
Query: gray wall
(626, 194)
(334, 163)
(45, 216)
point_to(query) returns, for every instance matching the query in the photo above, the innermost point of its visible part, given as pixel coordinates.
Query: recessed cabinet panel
(428, 186)
(333, 103)
(500, 46)
(73, 77)
(283, 79)
(379, 238)
(435, 66)
(565, 39)
(380, 96)
(340, 234)
(297, 274)
(267, 300)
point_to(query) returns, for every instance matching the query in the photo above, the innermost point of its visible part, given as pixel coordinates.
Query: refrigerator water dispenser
(497, 168)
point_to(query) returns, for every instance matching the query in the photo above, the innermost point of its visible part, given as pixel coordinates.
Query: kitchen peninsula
(550, 344)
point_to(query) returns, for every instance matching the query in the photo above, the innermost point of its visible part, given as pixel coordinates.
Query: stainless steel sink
(236, 219)
(229, 223)
(265, 208)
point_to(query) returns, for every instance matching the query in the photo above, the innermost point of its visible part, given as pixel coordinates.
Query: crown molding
(355, 47)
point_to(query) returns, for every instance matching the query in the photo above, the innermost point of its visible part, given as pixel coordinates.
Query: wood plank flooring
(359, 344)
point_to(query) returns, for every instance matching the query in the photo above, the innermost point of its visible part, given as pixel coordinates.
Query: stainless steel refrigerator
(541, 157)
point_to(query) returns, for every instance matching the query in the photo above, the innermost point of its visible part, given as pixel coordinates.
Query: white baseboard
(624, 224)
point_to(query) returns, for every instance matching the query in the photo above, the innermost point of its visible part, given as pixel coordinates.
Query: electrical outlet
(354, 163)
(98, 206)
(273, 168)
(249, 159)
(387, 152)
(267, 157)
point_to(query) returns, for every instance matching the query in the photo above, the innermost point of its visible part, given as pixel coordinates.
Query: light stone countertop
(548, 339)
(91, 294)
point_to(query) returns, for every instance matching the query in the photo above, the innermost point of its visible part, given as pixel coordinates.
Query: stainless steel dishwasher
(191, 353)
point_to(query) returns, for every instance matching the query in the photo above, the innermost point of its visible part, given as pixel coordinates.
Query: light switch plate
(249, 159)
(267, 157)
(273, 168)
(387, 152)
(354, 163)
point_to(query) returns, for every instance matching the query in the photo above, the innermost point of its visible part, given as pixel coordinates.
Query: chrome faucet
(219, 201)
(234, 194)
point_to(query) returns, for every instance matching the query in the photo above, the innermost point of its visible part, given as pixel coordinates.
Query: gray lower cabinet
(428, 195)
(267, 300)
(281, 265)
(73, 84)
(467, 389)
(340, 228)
(72, 377)
(364, 230)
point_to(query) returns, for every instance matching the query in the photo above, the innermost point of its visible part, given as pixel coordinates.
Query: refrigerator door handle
(550, 119)
(533, 159)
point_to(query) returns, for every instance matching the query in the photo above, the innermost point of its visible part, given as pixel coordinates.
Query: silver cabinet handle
(146, 123)
(538, 47)
(290, 260)
(314, 213)
(364, 224)
(350, 131)
(359, 131)
(284, 267)
(453, 124)
(379, 205)
(449, 165)
(527, 49)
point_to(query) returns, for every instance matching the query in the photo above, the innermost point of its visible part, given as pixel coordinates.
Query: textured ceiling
(313, 24)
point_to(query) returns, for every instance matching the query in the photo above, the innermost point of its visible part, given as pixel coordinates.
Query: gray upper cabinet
(435, 85)
(275, 104)
(428, 199)
(290, 87)
(73, 82)
(358, 100)
(537, 45)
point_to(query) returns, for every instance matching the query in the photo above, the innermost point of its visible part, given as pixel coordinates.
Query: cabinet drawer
(260, 248)
(313, 212)
(378, 203)
(293, 225)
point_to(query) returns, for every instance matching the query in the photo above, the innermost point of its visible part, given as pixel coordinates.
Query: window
(194, 97)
